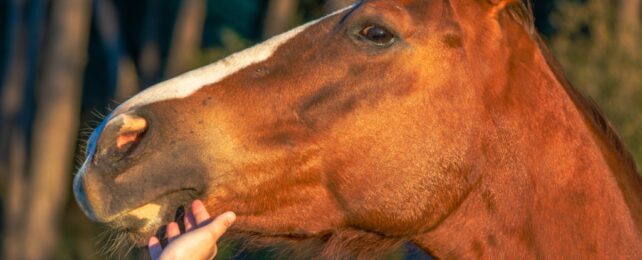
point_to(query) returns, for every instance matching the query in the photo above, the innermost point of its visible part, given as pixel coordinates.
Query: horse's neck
(551, 184)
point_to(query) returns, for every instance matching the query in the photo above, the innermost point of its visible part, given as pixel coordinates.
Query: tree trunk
(127, 79)
(186, 38)
(16, 191)
(335, 5)
(14, 78)
(12, 142)
(279, 17)
(55, 126)
(121, 69)
(149, 59)
(109, 31)
(629, 25)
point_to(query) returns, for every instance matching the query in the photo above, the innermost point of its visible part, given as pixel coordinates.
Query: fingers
(199, 212)
(202, 228)
(220, 224)
(173, 231)
(154, 247)
(190, 222)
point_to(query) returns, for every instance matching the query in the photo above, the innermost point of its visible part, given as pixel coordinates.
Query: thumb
(220, 224)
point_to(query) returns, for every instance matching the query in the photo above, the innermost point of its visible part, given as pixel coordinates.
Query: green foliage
(590, 44)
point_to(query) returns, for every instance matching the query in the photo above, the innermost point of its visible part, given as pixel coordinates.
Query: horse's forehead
(190, 82)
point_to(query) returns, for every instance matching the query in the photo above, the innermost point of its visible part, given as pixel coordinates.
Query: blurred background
(65, 63)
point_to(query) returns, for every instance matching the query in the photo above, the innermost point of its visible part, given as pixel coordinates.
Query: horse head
(369, 127)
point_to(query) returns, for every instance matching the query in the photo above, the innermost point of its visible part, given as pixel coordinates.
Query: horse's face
(363, 120)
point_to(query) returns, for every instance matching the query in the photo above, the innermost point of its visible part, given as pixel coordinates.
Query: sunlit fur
(461, 136)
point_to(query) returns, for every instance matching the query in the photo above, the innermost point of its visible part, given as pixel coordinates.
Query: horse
(447, 124)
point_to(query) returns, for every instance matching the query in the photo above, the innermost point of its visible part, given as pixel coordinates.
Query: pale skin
(200, 237)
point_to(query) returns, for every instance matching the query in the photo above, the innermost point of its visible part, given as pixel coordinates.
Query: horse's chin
(151, 219)
(140, 236)
(139, 239)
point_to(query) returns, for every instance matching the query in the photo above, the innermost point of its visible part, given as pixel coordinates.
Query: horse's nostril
(120, 136)
(131, 130)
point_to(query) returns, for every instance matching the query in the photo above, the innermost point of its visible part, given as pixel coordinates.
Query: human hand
(199, 239)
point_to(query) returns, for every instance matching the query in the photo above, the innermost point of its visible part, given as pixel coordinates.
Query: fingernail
(197, 204)
(230, 216)
(152, 241)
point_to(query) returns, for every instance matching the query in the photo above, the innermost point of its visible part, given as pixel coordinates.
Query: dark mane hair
(522, 12)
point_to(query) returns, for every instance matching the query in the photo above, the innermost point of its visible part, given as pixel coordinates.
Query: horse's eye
(377, 34)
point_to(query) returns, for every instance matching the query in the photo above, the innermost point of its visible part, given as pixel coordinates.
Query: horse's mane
(522, 12)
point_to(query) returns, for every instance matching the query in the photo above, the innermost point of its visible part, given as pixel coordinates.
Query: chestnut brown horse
(443, 123)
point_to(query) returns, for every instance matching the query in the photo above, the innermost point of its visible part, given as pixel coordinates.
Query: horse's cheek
(412, 202)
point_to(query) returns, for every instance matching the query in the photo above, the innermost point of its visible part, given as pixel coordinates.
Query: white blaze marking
(188, 83)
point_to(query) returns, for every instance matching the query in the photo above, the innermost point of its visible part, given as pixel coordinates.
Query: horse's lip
(157, 198)
(149, 227)
(139, 234)
(140, 237)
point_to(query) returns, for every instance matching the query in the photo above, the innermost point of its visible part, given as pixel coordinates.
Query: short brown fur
(462, 137)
